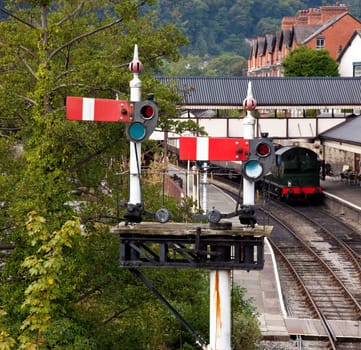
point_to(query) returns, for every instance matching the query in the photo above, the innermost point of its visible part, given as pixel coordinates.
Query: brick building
(329, 27)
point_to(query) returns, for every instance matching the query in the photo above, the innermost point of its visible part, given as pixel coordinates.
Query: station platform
(263, 286)
(347, 192)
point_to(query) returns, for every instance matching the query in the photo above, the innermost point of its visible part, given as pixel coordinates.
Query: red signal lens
(147, 112)
(263, 149)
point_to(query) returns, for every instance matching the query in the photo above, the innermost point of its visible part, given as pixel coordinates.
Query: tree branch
(86, 294)
(27, 51)
(82, 36)
(17, 18)
(27, 66)
(115, 315)
(72, 14)
(26, 99)
(90, 157)
(6, 246)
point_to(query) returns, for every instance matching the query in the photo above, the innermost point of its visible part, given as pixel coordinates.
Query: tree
(306, 62)
(61, 286)
(226, 64)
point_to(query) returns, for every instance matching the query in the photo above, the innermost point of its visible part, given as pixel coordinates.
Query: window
(357, 69)
(320, 43)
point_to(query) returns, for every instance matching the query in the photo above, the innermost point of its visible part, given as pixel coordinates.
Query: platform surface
(262, 285)
(263, 288)
(349, 193)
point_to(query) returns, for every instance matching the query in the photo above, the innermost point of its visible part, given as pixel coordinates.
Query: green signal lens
(253, 169)
(137, 131)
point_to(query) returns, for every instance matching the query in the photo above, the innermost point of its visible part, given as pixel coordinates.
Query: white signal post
(220, 280)
(249, 104)
(135, 194)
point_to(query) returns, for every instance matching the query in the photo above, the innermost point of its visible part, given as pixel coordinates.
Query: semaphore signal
(98, 109)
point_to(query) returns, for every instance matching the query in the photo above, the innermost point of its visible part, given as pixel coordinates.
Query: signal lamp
(252, 169)
(263, 149)
(147, 111)
(136, 131)
(260, 160)
(145, 117)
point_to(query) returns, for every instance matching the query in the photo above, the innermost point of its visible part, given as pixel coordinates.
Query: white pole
(220, 280)
(248, 134)
(205, 184)
(135, 195)
(220, 310)
(188, 179)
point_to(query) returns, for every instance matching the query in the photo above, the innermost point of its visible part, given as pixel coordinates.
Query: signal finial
(135, 66)
(249, 103)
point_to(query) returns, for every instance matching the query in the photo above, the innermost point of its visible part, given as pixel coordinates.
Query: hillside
(215, 27)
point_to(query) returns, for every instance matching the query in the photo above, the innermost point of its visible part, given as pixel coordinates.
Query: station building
(333, 134)
(341, 146)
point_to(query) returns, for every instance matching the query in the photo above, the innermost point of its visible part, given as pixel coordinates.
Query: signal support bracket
(179, 245)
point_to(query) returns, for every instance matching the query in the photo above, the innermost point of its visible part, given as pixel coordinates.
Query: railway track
(319, 267)
(325, 272)
(317, 233)
(347, 237)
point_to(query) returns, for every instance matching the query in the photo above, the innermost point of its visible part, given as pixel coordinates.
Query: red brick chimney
(314, 16)
(329, 11)
(288, 22)
(302, 18)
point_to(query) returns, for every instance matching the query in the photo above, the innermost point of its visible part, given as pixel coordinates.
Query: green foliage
(225, 64)
(48, 271)
(306, 62)
(61, 286)
(245, 331)
(6, 341)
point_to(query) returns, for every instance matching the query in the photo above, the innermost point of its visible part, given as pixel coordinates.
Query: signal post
(135, 196)
(215, 245)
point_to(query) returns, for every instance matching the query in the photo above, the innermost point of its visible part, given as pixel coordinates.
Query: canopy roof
(228, 92)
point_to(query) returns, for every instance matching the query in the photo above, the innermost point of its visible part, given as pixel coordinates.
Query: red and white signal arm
(98, 109)
(213, 148)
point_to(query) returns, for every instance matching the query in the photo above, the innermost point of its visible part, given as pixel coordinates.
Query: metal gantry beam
(192, 251)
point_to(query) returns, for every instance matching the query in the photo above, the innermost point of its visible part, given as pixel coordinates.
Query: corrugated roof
(221, 92)
(348, 131)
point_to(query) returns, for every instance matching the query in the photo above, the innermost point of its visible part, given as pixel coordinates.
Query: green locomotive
(295, 175)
